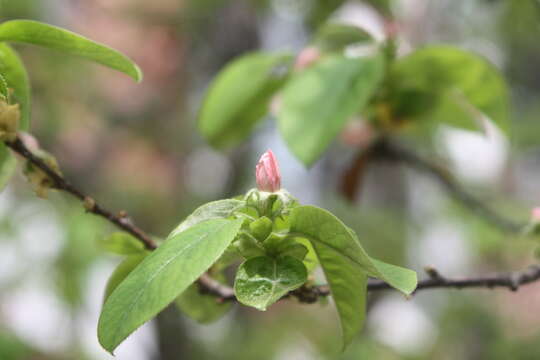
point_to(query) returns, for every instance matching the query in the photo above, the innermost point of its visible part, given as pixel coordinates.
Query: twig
(391, 151)
(59, 183)
(351, 181)
(305, 294)
(512, 281)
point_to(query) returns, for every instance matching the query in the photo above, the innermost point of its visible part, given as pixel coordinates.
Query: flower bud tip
(267, 173)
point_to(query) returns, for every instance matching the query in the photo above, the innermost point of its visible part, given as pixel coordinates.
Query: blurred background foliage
(135, 148)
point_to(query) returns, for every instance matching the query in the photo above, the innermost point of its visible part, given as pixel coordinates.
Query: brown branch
(59, 183)
(512, 281)
(351, 181)
(307, 294)
(391, 151)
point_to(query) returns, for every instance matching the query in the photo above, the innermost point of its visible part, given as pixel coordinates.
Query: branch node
(89, 204)
(306, 294)
(514, 282)
(433, 273)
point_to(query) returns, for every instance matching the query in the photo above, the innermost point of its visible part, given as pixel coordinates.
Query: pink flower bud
(535, 214)
(358, 133)
(267, 173)
(307, 57)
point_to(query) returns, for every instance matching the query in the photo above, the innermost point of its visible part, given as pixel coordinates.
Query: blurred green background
(134, 147)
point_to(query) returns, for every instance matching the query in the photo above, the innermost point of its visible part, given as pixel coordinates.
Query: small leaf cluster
(350, 76)
(278, 243)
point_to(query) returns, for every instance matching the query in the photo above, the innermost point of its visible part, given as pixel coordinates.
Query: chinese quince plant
(272, 241)
(280, 243)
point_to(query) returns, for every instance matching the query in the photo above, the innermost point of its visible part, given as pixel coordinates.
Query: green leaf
(261, 281)
(121, 272)
(8, 164)
(248, 246)
(276, 245)
(203, 308)
(52, 37)
(14, 72)
(122, 243)
(311, 261)
(240, 96)
(220, 209)
(290, 247)
(346, 264)
(261, 228)
(322, 228)
(443, 84)
(336, 37)
(317, 102)
(161, 277)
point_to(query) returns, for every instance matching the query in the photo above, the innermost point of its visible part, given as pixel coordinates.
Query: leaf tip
(307, 161)
(347, 340)
(137, 73)
(408, 290)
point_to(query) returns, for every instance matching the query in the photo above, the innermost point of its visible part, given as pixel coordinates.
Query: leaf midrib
(160, 269)
(345, 255)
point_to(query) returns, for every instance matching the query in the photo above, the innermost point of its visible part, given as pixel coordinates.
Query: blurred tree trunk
(173, 343)
(233, 31)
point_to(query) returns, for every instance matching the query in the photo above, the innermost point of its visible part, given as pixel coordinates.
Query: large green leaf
(261, 281)
(201, 307)
(322, 228)
(8, 163)
(219, 209)
(121, 272)
(317, 102)
(161, 277)
(37, 33)
(122, 243)
(239, 97)
(14, 73)
(346, 264)
(448, 85)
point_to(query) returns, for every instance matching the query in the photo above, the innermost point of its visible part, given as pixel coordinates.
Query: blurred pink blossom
(535, 214)
(306, 57)
(358, 133)
(267, 173)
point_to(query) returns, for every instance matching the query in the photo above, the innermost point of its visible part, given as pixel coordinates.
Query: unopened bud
(358, 133)
(40, 181)
(267, 173)
(89, 203)
(9, 121)
(307, 57)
